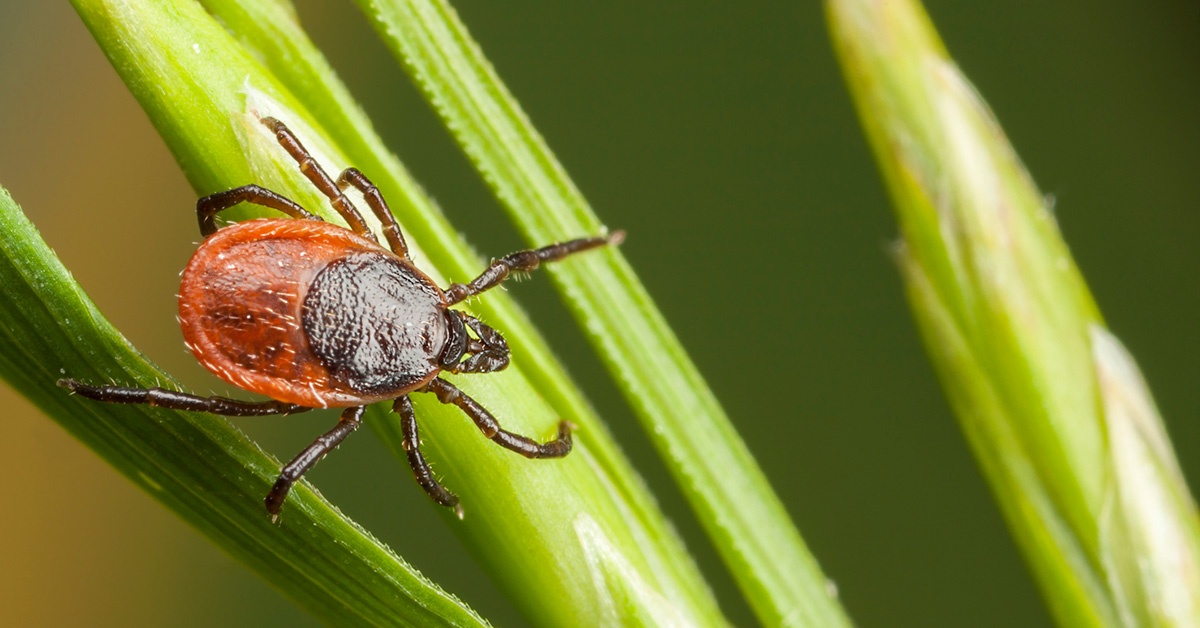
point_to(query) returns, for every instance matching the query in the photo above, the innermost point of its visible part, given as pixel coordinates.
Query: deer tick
(314, 315)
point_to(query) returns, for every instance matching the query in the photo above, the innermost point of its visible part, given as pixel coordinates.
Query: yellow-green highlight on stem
(552, 533)
(720, 478)
(1053, 408)
(1150, 528)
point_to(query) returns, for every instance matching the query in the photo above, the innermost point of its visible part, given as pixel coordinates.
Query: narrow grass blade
(1053, 407)
(199, 466)
(567, 538)
(727, 490)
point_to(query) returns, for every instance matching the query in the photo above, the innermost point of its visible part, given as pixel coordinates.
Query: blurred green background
(721, 137)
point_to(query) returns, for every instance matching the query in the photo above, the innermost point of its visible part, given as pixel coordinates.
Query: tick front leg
(416, 460)
(163, 398)
(557, 448)
(526, 261)
(325, 443)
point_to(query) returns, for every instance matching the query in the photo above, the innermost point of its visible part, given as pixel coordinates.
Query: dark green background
(720, 136)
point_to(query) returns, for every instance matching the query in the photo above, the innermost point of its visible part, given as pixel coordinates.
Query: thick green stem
(1054, 408)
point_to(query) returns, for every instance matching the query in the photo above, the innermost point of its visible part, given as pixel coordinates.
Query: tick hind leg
(416, 460)
(557, 448)
(208, 207)
(391, 231)
(319, 178)
(525, 261)
(350, 420)
(163, 398)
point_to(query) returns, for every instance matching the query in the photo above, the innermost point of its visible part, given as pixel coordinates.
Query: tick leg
(162, 398)
(208, 207)
(313, 171)
(391, 230)
(412, 447)
(325, 443)
(557, 448)
(525, 261)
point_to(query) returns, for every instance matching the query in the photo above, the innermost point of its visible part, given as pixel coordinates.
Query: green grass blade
(732, 498)
(1052, 405)
(569, 531)
(201, 467)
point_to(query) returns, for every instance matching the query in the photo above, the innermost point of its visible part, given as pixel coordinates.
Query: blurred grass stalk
(573, 541)
(1052, 404)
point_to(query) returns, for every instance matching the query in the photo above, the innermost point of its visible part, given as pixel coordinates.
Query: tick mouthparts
(616, 237)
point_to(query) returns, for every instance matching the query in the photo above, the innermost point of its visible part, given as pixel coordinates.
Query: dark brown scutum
(375, 324)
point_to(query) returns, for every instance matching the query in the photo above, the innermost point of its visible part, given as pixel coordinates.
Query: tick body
(309, 313)
(313, 315)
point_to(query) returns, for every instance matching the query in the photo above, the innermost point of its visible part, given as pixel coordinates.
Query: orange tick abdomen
(242, 310)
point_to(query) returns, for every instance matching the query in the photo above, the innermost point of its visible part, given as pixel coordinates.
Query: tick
(313, 315)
